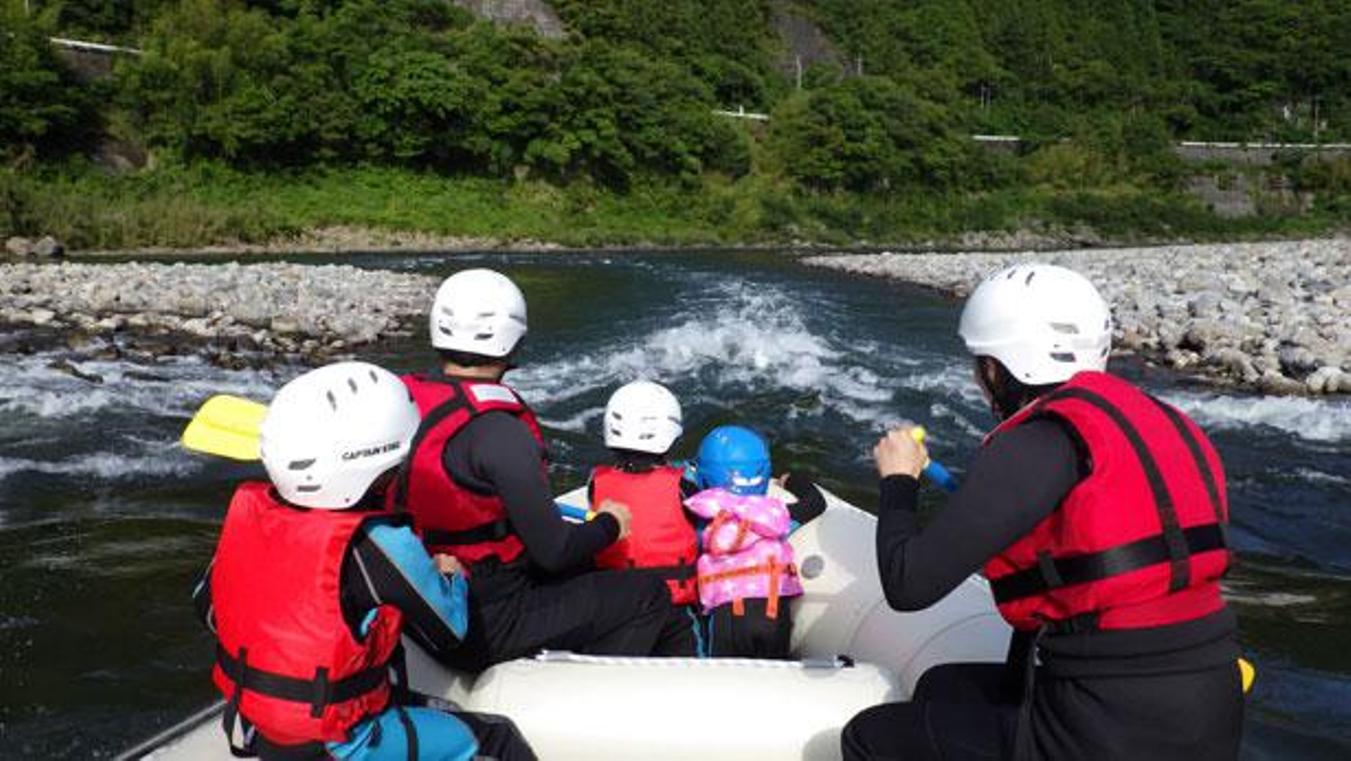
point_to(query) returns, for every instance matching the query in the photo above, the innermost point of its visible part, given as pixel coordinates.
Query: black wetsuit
(1168, 692)
(550, 598)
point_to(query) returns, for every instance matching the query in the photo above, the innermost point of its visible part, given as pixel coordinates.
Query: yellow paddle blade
(226, 426)
(1247, 673)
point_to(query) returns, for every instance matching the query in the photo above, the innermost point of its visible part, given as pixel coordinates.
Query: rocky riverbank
(234, 315)
(1270, 316)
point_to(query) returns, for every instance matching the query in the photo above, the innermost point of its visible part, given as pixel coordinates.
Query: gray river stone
(236, 315)
(1272, 316)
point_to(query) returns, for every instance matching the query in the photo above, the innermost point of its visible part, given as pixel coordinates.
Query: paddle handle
(936, 473)
(572, 512)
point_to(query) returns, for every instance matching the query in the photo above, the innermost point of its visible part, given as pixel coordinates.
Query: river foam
(42, 386)
(1311, 419)
(749, 338)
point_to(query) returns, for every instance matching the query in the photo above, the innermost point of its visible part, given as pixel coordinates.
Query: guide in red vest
(1099, 515)
(478, 489)
(306, 641)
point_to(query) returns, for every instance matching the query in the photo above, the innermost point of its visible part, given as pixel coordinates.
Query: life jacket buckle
(1050, 575)
(322, 692)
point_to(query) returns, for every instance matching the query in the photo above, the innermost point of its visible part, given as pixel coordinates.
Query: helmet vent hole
(1103, 353)
(1065, 327)
(1030, 275)
(352, 384)
(1062, 356)
(308, 488)
(374, 378)
(482, 336)
(299, 464)
(486, 315)
(332, 400)
(615, 414)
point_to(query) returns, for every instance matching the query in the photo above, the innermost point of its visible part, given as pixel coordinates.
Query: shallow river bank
(1271, 316)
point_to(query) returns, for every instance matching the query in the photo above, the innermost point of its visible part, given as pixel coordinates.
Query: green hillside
(301, 97)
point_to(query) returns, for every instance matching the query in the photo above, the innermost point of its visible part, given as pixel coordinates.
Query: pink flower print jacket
(746, 553)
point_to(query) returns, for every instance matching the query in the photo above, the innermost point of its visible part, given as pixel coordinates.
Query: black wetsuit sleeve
(497, 454)
(1011, 486)
(372, 577)
(688, 489)
(810, 501)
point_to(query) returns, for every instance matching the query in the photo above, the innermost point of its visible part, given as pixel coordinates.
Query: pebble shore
(1274, 317)
(234, 315)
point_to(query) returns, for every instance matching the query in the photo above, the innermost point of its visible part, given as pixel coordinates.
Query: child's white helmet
(329, 434)
(478, 311)
(642, 416)
(1043, 323)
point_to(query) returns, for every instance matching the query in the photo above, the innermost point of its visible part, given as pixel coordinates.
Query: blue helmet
(733, 458)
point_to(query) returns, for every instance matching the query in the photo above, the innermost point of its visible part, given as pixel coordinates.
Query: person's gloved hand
(898, 454)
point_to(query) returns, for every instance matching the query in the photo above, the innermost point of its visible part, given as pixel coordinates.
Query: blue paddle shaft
(572, 512)
(940, 476)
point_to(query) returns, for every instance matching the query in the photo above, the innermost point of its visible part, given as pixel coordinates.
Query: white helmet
(478, 311)
(642, 416)
(331, 432)
(1044, 323)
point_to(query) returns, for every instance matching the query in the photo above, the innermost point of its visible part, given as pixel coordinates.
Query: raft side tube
(669, 709)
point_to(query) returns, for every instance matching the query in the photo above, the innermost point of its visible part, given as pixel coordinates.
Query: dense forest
(624, 102)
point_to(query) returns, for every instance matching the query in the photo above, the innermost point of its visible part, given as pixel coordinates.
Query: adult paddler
(477, 487)
(1098, 514)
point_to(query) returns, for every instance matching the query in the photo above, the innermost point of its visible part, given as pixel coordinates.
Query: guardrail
(91, 47)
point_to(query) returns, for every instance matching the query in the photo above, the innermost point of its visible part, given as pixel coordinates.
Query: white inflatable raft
(582, 707)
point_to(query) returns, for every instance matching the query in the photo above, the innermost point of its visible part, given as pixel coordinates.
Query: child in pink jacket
(746, 568)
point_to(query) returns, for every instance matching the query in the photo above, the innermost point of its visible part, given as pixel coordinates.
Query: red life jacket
(286, 659)
(660, 535)
(1138, 543)
(451, 518)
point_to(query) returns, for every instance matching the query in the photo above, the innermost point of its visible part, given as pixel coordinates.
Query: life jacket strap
(743, 527)
(751, 570)
(429, 423)
(775, 571)
(1179, 569)
(1053, 573)
(493, 531)
(319, 692)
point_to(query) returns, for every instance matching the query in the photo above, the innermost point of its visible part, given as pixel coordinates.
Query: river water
(105, 523)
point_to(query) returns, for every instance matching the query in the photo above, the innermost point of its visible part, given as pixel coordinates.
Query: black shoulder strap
(429, 423)
(1174, 541)
(1202, 464)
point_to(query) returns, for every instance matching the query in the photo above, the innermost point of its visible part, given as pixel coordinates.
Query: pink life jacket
(745, 550)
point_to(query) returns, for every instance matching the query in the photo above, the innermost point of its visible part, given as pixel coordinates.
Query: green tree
(44, 110)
